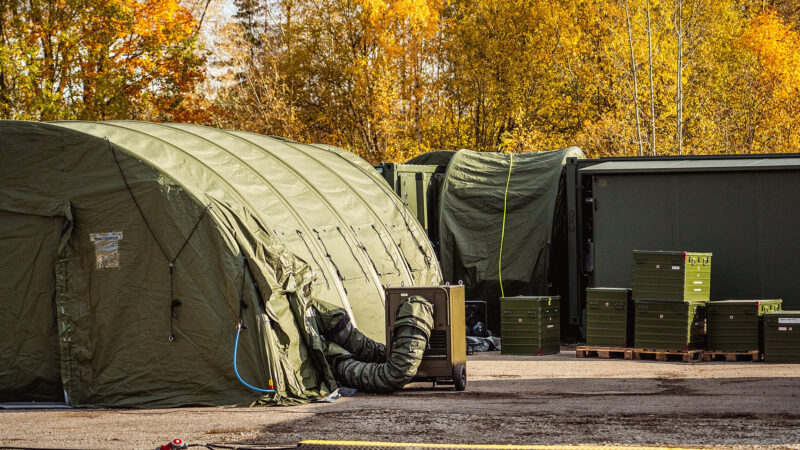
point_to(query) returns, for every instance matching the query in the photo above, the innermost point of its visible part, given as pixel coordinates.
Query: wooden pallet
(753, 355)
(588, 351)
(666, 355)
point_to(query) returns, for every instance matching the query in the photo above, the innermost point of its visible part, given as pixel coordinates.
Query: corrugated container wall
(743, 211)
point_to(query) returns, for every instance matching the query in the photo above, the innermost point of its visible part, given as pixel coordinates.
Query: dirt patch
(408, 426)
(554, 399)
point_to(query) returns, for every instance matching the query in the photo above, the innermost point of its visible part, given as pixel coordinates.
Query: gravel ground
(554, 400)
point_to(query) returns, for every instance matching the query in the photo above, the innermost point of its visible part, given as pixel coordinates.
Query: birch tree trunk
(679, 85)
(635, 83)
(652, 94)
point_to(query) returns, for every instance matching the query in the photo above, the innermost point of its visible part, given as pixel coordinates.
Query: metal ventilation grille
(437, 345)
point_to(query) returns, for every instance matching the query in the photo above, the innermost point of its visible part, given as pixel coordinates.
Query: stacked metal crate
(530, 325)
(736, 325)
(782, 337)
(609, 317)
(670, 293)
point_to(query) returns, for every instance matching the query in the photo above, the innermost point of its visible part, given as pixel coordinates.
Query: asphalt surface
(548, 400)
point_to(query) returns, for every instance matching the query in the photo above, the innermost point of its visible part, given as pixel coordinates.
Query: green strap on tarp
(503, 230)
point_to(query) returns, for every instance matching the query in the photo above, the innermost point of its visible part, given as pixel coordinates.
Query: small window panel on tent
(106, 249)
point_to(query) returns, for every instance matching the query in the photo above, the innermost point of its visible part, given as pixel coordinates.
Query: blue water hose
(236, 370)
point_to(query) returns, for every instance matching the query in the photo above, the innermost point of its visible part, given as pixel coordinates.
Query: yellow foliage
(390, 79)
(777, 48)
(111, 59)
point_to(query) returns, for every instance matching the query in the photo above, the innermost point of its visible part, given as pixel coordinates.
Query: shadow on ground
(661, 411)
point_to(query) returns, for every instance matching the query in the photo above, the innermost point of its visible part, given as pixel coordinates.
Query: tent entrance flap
(28, 327)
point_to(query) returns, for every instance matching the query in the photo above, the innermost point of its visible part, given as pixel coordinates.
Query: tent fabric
(264, 228)
(28, 333)
(471, 222)
(437, 158)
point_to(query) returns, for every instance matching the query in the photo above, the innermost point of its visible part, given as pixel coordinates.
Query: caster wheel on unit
(460, 377)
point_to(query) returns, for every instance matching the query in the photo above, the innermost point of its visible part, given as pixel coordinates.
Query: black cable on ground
(248, 446)
(206, 445)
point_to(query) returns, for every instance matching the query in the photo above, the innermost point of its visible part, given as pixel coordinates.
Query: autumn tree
(776, 46)
(254, 95)
(100, 60)
(354, 73)
(390, 79)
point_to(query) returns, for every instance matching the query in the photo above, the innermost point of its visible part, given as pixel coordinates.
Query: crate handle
(619, 306)
(643, 308)
(531, 313)
(507, 312)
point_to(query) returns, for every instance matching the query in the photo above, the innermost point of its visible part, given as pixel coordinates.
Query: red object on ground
(173, 444)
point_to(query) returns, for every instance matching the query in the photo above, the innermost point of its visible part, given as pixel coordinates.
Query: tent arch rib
(396, 245)
(134, 155)
(323, 198)
(398, 204)
(301, 223)
(328, 205)
(160, 168)
(252, 170)
(241, 198)
(407, 275)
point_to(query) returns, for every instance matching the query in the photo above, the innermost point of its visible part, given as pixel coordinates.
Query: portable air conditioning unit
(444, 361)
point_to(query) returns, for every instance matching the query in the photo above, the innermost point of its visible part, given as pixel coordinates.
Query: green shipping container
(418, 187)
(735, 325)
(609, 317)
(669, 325)
(530, 325)
(666, 275)
(782, 337)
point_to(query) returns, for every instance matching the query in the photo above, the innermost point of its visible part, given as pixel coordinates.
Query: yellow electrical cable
(503, 231)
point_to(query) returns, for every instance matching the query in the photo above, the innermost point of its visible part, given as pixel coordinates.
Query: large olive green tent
(130, 251)
(496, 223)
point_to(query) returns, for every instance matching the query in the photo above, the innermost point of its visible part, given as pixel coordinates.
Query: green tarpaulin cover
(472, 214)
(258, 230)
(437, 158)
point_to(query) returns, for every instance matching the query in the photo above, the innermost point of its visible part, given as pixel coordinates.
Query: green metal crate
(530, 325)
(735, 325)
(609, 317)
(666, 275)
(782, 337)
(669, 325)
